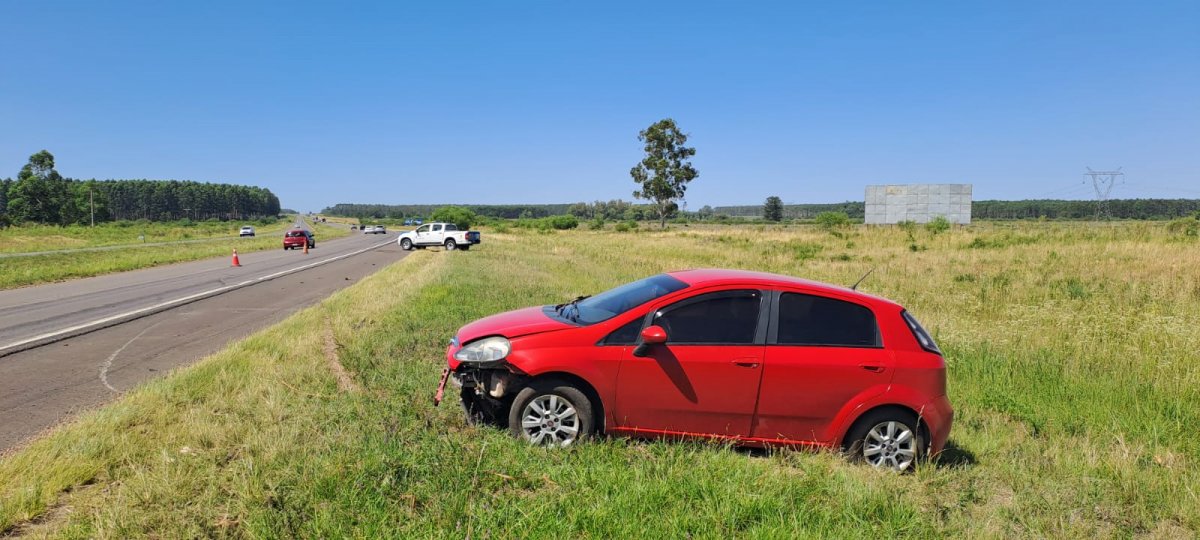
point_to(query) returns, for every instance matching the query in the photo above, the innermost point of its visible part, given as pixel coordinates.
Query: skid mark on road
(108, 363)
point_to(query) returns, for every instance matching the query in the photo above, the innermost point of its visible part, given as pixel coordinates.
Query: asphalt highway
(108, 333)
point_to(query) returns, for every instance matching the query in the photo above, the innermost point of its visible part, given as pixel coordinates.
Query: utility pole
(1103, 182)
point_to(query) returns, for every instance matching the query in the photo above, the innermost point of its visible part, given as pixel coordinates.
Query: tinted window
(423, 228)
(437, 228)
(816, 320)
(625, 335)
(451, 227)
(724, 317)
(613, 302)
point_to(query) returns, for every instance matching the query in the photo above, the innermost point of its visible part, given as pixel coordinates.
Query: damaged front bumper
(492, 383)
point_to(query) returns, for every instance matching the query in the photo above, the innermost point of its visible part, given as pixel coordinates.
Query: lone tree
(773, 209)
(665, 171)
(39, 193)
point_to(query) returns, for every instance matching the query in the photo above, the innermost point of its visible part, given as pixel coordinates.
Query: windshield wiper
(562, 308)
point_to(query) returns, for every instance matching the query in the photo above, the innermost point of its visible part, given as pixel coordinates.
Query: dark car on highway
(751, 358)
(298, 238)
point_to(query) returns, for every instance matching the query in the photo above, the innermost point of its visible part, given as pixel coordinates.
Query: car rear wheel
(406, 244)
(551, 413)
(451, 245)
(887, 439)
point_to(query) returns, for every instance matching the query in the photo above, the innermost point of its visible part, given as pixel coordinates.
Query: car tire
(887, 439)
(465, 247)
(406, 244)
(551, 413)
(451, 245)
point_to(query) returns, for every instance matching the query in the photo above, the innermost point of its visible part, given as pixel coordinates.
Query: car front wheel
(887, 439)
(551, 413)
(406, 244)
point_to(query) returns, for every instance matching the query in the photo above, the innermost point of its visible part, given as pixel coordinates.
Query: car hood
(511, 324)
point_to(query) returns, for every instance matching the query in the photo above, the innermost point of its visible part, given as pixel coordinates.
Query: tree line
(990, 210)
(1061, 209)
(506, 211)
(41, 195)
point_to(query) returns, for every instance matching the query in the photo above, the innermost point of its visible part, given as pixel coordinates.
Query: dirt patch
(345, 380)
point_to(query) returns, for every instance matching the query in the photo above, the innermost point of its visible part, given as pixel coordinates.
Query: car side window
(423, 229)
(627, 334)
(806, 319)
(726, 317)
(437, 228)
(451, 227)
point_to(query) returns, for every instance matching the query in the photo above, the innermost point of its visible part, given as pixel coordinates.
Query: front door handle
(746, 362)
(875, 368)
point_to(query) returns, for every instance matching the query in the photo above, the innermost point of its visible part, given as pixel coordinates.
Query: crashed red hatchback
(758, 359)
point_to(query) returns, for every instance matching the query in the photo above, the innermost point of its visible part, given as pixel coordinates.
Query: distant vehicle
(297, 238)
(418, 221)
(246, 231)
(752, 358)
(408, 221)
(374, 229)
(438, 234)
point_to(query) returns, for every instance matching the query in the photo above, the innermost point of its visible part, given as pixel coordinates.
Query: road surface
(44, 385)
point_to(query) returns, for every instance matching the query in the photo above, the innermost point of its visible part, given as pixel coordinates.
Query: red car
(297, 238)
(758, 359)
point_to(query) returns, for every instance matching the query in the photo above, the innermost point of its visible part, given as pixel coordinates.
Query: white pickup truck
(438, 234)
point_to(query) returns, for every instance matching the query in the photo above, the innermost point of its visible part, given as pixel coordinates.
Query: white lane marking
(178, 301)
(108, 363)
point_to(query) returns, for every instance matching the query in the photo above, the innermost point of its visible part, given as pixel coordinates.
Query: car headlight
(484, 350)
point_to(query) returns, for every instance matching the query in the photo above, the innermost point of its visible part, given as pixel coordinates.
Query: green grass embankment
(1072, 370)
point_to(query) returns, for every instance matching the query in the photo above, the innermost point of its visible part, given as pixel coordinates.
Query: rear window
(919, 332)
(451, 227)
(295, 234)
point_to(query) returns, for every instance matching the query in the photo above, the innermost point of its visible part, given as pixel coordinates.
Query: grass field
(1072, 361)
(201, 240)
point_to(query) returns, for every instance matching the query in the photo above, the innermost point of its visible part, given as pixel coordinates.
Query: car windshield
(613, 302)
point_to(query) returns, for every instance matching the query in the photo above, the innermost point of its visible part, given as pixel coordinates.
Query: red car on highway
(297, 238)
(758, 359)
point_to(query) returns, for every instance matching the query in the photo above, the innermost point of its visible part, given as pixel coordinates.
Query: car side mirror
(651, 335)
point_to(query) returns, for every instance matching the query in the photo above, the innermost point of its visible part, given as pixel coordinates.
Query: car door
(822, 352)
(422, 235)
(704, 379)
(435, 234)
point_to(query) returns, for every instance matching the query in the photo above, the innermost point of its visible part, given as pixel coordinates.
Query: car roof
(722, 276)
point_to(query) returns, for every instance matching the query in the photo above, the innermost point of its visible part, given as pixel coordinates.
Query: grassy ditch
(1071, 361)
(217, 241)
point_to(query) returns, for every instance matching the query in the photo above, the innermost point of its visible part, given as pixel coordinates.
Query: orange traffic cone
(306, 248)
(236, 262)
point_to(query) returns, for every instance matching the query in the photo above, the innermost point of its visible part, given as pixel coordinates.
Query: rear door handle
(872, 367)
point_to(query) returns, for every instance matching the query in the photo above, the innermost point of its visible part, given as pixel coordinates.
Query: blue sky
(510, 102)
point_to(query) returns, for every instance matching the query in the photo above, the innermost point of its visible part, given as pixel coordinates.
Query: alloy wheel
(550, 420)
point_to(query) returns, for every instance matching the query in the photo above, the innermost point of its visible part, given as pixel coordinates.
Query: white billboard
(921, 203)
